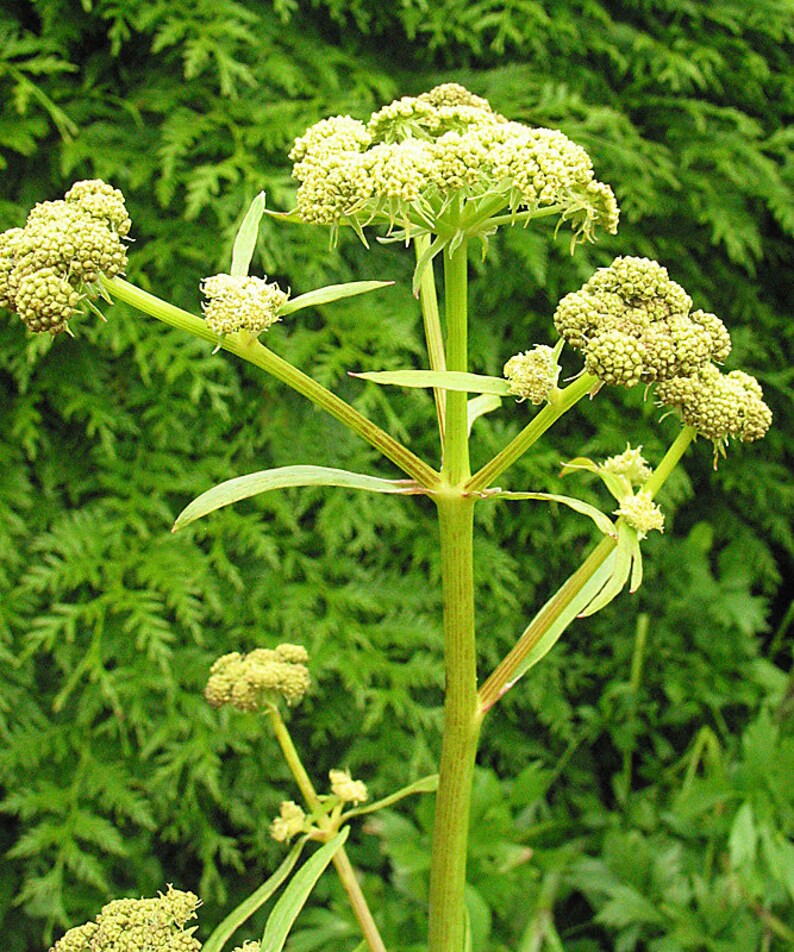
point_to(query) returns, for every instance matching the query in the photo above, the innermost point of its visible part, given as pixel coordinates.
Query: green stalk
(344, 867)
(462, 719)
(561, 402)
(435, 340)
(670, 460)
(462, 715)
(251, 350)
(501, 679)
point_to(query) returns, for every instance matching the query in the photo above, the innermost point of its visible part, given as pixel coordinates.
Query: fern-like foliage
(115, 776)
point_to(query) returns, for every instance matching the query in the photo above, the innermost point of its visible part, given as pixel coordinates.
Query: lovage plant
(441, 172)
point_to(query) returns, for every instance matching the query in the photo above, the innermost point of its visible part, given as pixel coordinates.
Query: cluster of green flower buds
(290, 822)
(417, 154)
(251, 682)
(630, 463)
(138, 925)
(244, 303)
(634, 324)
(642, 513)
(346, 788)
(533, 375)
(719, 405)
(47, 267)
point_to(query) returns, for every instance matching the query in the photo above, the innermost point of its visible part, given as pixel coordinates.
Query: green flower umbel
(48, 267)
(419, 157)
(633, 323)
(631, 464)
(719, 405)
(290, 822)
(346, 788)
(533, 375)
(251, 682)
(642, 513)
(245, 303)
(138, 925)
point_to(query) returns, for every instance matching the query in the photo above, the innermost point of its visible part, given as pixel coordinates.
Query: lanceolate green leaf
(248, 907)
(618, 486)
(569, 613)
(622, 566)
(603, 521)
(425, 785)
(245, 242)
(479, 406)
(334, 292)
(243, 487)
(294, 897)
(440, 379)
(636, 563)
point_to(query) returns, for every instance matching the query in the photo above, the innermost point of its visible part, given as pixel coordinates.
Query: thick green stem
(561, 402)
(503, 676)
(462, 715)
(344, 868)
(249, 349)
(435, 339)
(462, 718)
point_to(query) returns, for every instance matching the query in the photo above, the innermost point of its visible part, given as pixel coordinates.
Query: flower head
(103, 202)
(417, 153)
(138, 925)
(630, 463)
(347, 789)
(634, 324)
(251, 682)
(9, 240)
(245, 303)
(45, 301)
(288, 823)
(533, 375)
(641, 512)
(719, 405)
(53, 263)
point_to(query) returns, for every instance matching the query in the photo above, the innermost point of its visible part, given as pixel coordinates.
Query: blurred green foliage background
(634, 793)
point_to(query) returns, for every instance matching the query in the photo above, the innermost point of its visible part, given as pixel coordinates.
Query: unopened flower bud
(288, 823)
(642, 513)
(614, 357)
(533, 374)
(347, 789)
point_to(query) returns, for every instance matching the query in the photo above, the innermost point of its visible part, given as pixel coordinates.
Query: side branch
(250, 350)
(510, 668)
(561, 402)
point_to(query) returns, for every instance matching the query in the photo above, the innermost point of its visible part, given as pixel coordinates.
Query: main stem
(462, 713)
